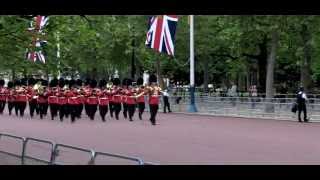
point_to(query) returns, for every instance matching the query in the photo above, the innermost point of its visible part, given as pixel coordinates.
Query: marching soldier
(103, 99)
(154, 92)
(32, 96)
(92, 100)
(3, 96)
(140, 100)
(73, 100)
(116, 97)
(130, 99)
(53, 99)
(21, 97)
(124, 97)
(42, 99)
(80, 98)
(110, 97)
(62, 100)
(10, 96)
(87, 91)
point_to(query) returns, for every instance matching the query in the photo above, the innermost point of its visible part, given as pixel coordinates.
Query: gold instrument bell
(38, 88)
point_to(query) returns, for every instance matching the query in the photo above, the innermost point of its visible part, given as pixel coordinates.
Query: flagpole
(192, 106)
(58, 54)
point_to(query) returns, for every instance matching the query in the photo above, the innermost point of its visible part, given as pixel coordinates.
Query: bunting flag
(161, 33)
(37, 26)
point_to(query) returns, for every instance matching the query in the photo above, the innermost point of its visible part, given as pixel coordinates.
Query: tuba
(38, 88)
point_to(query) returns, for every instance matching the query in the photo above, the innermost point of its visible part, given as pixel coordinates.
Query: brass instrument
(39, 88)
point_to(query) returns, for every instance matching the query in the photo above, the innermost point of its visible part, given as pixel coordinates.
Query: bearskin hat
(44, 82)
(102, 83)
(140, 81)
(54, 82)
(93, 83)
(129, 82)
(17, 82)
(61, 82)
(116, 81)
(2, 82)
(87, 82)
(79, 82)
(124, 82)
(152, 78)
(31, 81)
(24, 81)
(72, 83)
(10, 84)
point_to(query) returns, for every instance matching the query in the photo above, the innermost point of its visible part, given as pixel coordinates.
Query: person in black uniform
(301, 101)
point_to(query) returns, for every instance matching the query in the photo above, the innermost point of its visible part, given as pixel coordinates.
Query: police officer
(301, 101)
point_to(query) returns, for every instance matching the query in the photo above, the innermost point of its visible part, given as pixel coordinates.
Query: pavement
(178, 139)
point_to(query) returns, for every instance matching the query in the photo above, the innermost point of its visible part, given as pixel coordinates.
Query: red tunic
(43, 98)
(3, 94)
(141, 98)
(92, 99)
(10, 95)
(62, 100)
(130, 99)
(103, 98)
(21, 96)
(116, 96)
(53, 97)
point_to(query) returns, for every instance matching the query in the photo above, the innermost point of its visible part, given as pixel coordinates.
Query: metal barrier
(22, 144)
(34, 158)
(138, 160)
(56, 150)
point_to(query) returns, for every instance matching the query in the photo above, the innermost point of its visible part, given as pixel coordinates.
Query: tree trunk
(138, 69)
(13, 71)
(159, 76)
(262, 64)
(205, 75)
(270, 70)
(305, 75)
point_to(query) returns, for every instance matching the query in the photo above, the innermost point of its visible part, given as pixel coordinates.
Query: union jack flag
(36, 28)
(161, 33)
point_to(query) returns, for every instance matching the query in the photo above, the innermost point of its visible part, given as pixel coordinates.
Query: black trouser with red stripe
(63, 111)
(117, 109)
(73, 111)
(79, 110)
(131, 110)
(92, 109)
(153, 112)
(54, 110)
(125, 110)
(20, 107)
(32, 106)
(141, 107)
(111, 106)
(2, 106)
(43, 107)
(11, 105)
(103, 110)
